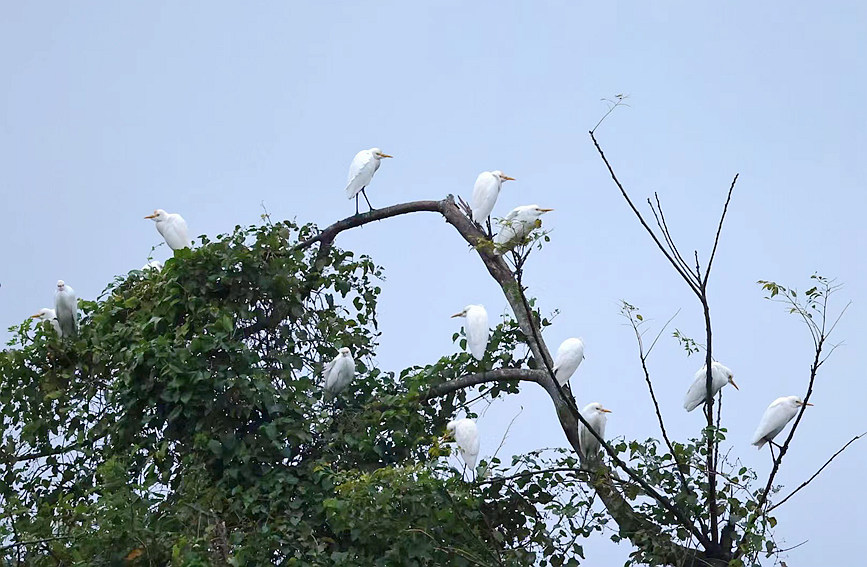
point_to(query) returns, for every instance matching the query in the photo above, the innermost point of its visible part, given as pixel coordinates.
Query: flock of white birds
(513, 229)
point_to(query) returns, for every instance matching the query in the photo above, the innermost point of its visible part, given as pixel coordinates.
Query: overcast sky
(109, 110)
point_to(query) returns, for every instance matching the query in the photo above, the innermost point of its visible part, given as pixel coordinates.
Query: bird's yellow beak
(546, 210)
(507, 178)
(603, 410)
(37, 316)
(153, 216)
(808, 404)
(384, 155)
(732, 382)
(461, 314)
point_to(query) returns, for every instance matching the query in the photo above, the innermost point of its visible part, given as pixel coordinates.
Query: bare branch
(719, 228)
(809, 480)
(469, 380)
(649, 230)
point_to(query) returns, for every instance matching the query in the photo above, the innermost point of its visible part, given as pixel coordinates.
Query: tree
(185, 425)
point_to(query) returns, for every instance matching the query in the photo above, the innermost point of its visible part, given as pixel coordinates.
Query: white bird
(779, 413)
(66, 309)
(518, 224)
(467, 437)
(46, 314)
(173, 228)
(697, 393)
(485, 193)
(339, 372)
(476, 328)
(361, 170)
(568, 359)
(152, 265)
(594, 413)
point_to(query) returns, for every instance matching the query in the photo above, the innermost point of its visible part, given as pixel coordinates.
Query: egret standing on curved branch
(476, 327)
(339, 372)
(594, 413)
(46, 314)
(517, 225)
(779, 413)
(467, 437)
(361, 170)
(485, 193)
(173, 229)
(568, 359)
(66, 309)
(697, 393)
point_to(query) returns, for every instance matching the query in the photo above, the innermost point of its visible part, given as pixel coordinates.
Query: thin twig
(719, 228)
(809, 480)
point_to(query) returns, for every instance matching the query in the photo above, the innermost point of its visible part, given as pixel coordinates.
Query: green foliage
(185, 426)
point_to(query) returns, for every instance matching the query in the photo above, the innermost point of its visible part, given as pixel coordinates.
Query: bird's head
(799, 402)
(540, 211)
(158, 215)
(378, 153)
(597, 408)
(61, 285)
(43, 313)
(502, 176)
(345, 352)
(461, 314)
(731, 379)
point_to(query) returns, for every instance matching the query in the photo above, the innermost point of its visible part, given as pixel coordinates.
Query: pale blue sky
(109, 110)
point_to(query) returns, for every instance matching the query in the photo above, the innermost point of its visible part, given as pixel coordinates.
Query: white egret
(476, 328)
(467, 437)
(594, 413)
(339, 372)
(518, 224)
(779, 413)
(46, 314)
(568, 359)
(485, 193)
(66, 309)
(361, 170)
(152, 265)
(697, 393)
(173, 229)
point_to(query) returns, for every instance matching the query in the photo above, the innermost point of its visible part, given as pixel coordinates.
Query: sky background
(109, 110)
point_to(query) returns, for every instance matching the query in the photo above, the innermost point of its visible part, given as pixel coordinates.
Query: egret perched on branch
(568, 359)
(339, 372)
(594, 413)
(361, 170)
(518, 224)
(466, 435)
(152, 265)
(697, 393)
(476, 328)
(173, 228)
(66, 309)
(485, 193)
(46, 314)
(779, 413)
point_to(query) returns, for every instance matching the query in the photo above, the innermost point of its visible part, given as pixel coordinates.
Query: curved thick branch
(469, 380)
(567, 412)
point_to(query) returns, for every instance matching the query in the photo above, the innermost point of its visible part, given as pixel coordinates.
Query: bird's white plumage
(485, 193)
(46, 314)
(339, 372)
(518, 224)
(569, 357)
(476, 327)
(596, 416)
(697, 393)
(152, 265)
(173, 228)
(66, 309)
(467, 437)
(779, 413)
(361, 170)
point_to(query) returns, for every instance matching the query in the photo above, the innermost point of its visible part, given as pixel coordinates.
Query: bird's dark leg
(356, 203)
(771, 447)
(490, 232)
(363, 192)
